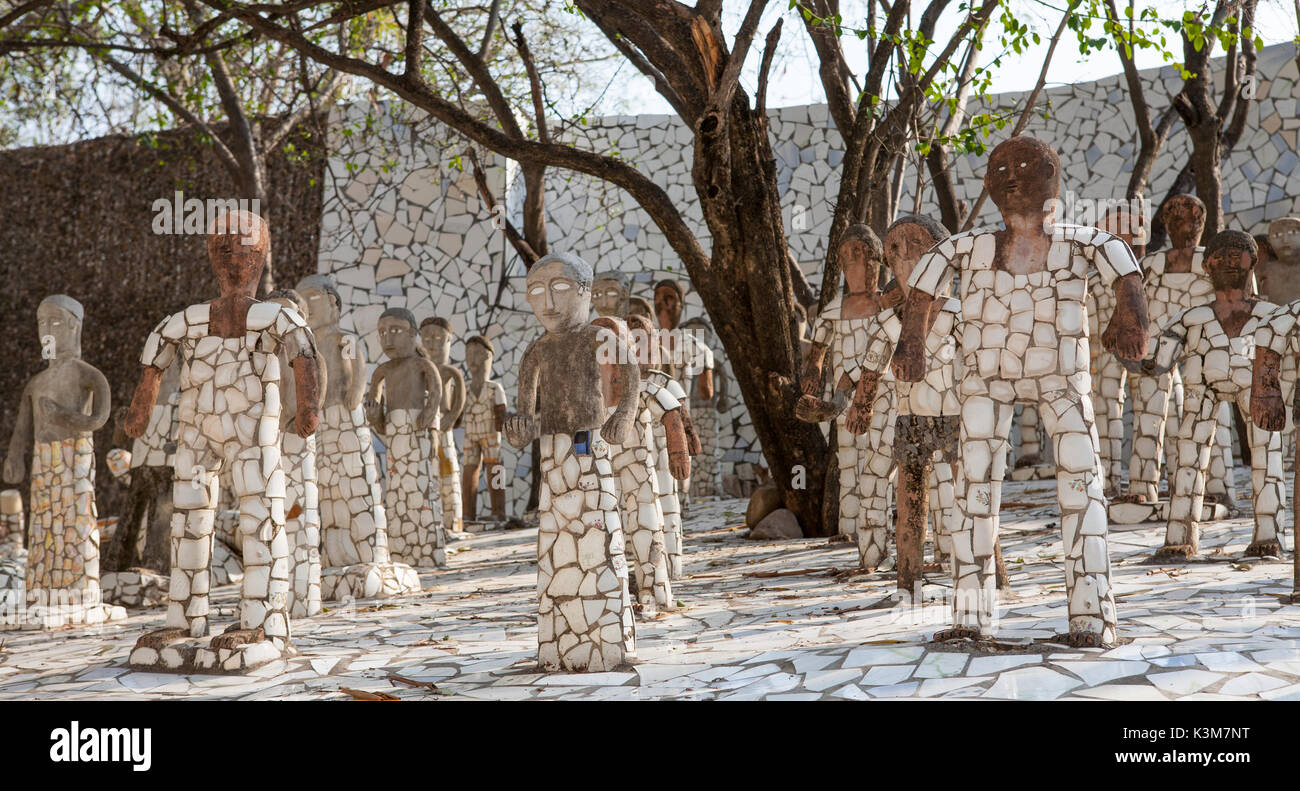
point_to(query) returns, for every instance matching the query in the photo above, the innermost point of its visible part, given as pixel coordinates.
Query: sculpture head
(910, 237)
(323, 301)
(860, 254)
(1284, 238)
(559, 291)
(238, 245)
(479, 353)
(1230, 257)
(640, 306)
(436, 336)
(58, 323)
(609, 294)
(398, 334)
(1184, 218)
(1023, 176)
(670, 298)
(644, 341)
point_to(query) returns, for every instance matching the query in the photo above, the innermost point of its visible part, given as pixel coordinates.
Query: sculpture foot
(955, 633)
(1267, 548)
(1030, 460)
(234, 637)
(1175, 552)
(1081, 640)
(161, 637)
(934, 567)
(1131, 498)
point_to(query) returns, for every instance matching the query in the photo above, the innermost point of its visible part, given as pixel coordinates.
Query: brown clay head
(1023, 176)
(322, 299)
(609, 294)
(58, 324)
(479, 353)
(559, 291)
(398, 335)
(1121, 221)
(1284, 237)
(910, 237)
(436, 336)
(640, 306)
(1229, 259)
(669, 299)
(238, 243)
(860, 254)
(1184, 218)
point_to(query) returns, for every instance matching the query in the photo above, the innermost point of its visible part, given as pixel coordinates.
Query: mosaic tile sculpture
(436, 336)
(485, 414)
(302, 495)
(584, 609)
(403, 404)
(864, 459)
(1215, 343)
(60, 409)
(636, 463)
(355, 559)
(704, 416)
(13, 555)
(1025, 339)
(1278, 272)
(229, 416)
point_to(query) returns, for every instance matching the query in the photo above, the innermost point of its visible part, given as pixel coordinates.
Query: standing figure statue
(865, 459)
(1279, 271)
(1024, 328)
(355, 559)
(610, 294)
(61, 408)
(302, 494)
(485, 414)
(1215, 344)
(436, 336)
(691, 359)
(229, 416)
(402, 405)
(704, 417)
(584, 612)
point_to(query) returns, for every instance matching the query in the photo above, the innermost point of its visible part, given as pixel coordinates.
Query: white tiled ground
(1210, 629)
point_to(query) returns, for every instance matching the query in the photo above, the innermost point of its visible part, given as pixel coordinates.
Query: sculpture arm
(428, 417)
(1170, 349)
(679, 459)
(521, 427)
(374, 405)
(96, 385)
(1266, 407)
(354, 369)
(720, 383)
(142, 401)
(811, 380)
(930, 278)
(457, 406)
(307, 387)
(1126, 334)
(15, 468)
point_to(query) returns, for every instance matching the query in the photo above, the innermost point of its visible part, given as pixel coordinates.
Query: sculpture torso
(568, 380)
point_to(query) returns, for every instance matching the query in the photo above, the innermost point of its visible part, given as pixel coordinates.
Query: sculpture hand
(722, 405)
(859, 418)
(447, 422)
(909, 359)
(811, 409)
(55, 412)
(305, 421)
(1267, 410)
(618, 428)
(1124, 338)
(519, 430)
(427, 417)
(15, 469)
(679, 464)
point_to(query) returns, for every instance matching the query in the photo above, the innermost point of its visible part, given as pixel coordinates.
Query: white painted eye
(1002, 168)
(561, 286)
(1022, 164)
(535, 291)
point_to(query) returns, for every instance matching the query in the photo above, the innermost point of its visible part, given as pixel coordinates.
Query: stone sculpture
(485, 413)
(584, 608)
(1215, 343)
(403, 404)
(228, 416)
(1110, 378)
(302, 494)
(864, 459)
(1025, 339)
(704, 417)
(355, 559)
(1279, 271)
(60, 409)
(436, 336)
(610, 293)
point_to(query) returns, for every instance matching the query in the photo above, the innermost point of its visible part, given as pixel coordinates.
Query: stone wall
(402, 225)
(78, 219)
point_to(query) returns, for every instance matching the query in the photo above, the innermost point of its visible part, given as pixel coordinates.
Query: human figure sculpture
(1278, 272)
(228, 416)
(302, 494)
(635, 462)
(1175, 280)
(691, 359)
(928, 413)
(1216, 342)
(436, 336)
(403, 404)
(584, 608)
(60, 409)
(610, 292)
(355, 560)
(704, 417)
(485, 414)
(839, 338)
(1025, 339)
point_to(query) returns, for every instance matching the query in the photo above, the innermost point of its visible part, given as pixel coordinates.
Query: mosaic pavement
(762, 620)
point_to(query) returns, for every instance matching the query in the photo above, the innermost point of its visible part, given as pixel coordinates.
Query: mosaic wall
(402, 224)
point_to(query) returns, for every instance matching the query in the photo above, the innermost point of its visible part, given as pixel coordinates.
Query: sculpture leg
(1108, 405)
(1219, 484)
(584, 611)
(1069, 420)
(354, 527)
(643, 525)
(194, 499)
(1150, 402)
(669, 506)
(412, 501)
(1195, 441)
(496, 479)
(449, 482)
(704, 466)
(985, 427)
(469, 480)
(1268, 487)
(943, 502)
(158, 538)
(264, 598)
(302, 525)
